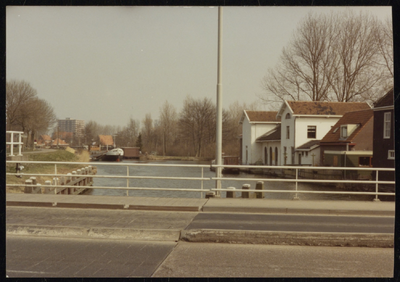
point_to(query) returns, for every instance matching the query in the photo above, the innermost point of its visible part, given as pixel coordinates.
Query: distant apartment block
(72, 125)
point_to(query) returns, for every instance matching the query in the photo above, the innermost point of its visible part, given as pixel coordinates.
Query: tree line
(190, 132)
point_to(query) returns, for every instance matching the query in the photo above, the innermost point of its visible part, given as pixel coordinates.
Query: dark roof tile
(356, 117)
(262, 116)
(325, 108)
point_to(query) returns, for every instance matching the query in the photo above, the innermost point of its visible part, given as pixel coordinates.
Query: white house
(302, 122)
(255, 124)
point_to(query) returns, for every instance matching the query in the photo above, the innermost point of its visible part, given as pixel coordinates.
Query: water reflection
(193, 184)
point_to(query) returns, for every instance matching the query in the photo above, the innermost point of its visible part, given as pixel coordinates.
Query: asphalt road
(66, 257)
(29, 256)
(190, 220)
(283, 222)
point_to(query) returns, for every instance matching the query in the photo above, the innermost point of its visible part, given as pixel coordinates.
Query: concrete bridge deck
(255, 221)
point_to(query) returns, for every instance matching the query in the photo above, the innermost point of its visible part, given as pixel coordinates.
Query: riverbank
(171, 158)
(63, 155)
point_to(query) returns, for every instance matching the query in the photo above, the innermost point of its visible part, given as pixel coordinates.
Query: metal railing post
(201, 193)
(376, 188)
(12, 145)
(19, 145)
(296, 197)
(127, 180)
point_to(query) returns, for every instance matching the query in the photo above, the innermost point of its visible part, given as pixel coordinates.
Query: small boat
(114, 155)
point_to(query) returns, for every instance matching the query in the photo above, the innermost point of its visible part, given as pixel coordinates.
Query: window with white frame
(311, 131)
(287, 132)
(386, 125)
(390, 154)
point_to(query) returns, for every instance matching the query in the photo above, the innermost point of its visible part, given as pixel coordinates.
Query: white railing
(12, 143)
(202, 190)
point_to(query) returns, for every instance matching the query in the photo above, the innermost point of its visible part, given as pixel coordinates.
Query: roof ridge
(324, 102)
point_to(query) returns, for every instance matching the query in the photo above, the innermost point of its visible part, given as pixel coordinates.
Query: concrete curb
(222, 209)
(378, 240)
(298, 211)
(100, 233)
(288, 238)
(103, 206)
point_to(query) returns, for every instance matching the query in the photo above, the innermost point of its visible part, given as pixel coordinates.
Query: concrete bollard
(33, 178)
(231, 194)
(38, 189)
(210, 195)
(46, 190)
(34, 189)
(246, 194)
(260, 186)
(28, 186)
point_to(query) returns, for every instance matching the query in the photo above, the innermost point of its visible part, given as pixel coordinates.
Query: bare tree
(300, 74)
(168, 121)
(128, 135)
(384, 41)
(197, 124)
(19, 94)
(333, 57)
(356, 73)
(147, 132)
(92, 130)
(25, 111)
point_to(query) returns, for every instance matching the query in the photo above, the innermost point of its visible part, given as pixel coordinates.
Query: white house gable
(255, 124)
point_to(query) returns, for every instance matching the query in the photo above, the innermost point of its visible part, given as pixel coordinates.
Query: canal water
(195, 184)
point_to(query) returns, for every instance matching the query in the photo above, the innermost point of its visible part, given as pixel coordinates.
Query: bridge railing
(11, 143)
(296, 179)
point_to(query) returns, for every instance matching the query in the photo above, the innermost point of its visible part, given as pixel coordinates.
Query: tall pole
(219, 104)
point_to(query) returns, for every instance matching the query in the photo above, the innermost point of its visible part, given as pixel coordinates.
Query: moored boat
(114, 155)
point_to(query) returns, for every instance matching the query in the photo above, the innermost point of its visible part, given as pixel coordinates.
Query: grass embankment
(67, 155)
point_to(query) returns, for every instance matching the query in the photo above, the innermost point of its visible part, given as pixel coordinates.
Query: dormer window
(347, 129)
(287, 116)
(343, 131)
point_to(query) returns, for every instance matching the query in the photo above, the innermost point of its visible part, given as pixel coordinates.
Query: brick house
(350, 141)
(383, 137)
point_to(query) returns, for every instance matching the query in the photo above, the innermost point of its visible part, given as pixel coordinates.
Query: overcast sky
(109, 64)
